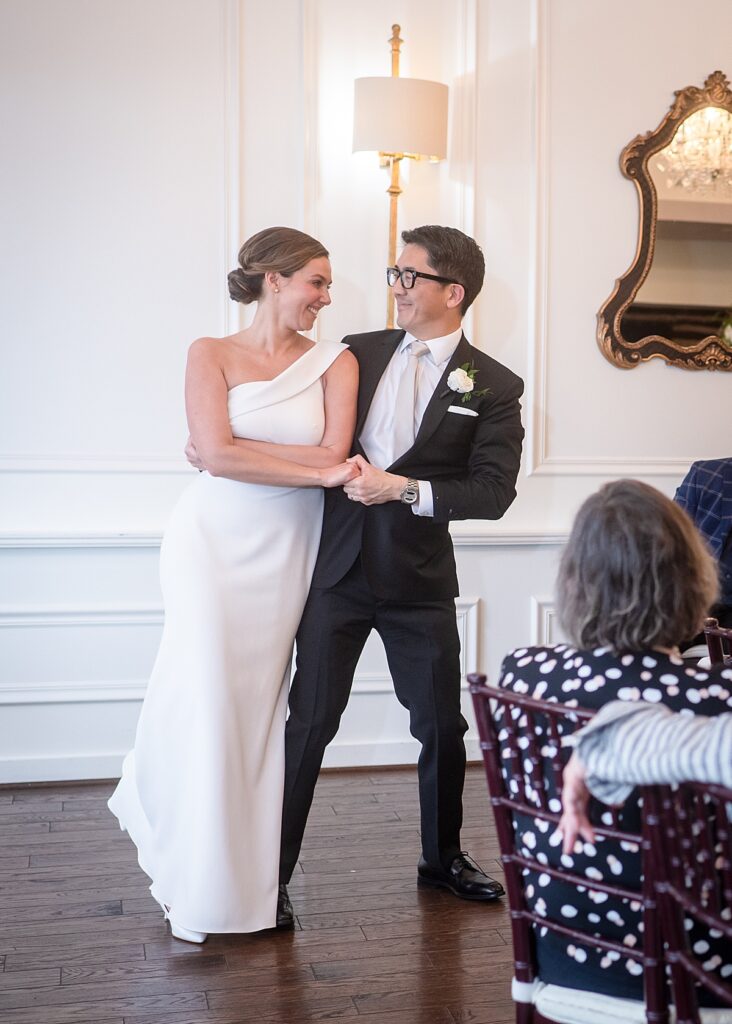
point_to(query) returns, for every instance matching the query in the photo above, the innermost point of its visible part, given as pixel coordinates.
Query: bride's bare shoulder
(210, 349)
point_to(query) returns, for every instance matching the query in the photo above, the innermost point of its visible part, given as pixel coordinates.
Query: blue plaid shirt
(705, 494)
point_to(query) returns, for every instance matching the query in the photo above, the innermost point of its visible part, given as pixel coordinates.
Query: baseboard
(109, 766)
(70, 768)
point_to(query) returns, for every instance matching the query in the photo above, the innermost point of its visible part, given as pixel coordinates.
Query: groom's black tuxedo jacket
(471, 462)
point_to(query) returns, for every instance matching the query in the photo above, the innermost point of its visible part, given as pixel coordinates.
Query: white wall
(146, 142)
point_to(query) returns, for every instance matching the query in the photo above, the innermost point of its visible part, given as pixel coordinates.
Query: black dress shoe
(285, 914)
(463, 878)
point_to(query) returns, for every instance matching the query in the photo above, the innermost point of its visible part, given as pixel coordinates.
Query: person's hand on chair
(574, 822)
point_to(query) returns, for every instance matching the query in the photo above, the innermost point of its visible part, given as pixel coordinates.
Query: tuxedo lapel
(441, 398)
(371, 371)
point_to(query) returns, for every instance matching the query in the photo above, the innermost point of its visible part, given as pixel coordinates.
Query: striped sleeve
(634, 744)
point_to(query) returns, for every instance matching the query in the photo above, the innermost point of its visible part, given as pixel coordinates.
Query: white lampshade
(400, 115)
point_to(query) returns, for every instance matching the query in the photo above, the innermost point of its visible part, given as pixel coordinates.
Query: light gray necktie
(404, 429)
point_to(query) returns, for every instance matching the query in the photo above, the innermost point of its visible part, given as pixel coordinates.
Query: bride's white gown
(201, 793)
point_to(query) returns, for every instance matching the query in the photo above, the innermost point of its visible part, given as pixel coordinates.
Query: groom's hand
(373, 486)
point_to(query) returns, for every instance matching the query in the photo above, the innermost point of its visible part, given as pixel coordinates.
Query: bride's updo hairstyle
(635, 573)
(276, 250)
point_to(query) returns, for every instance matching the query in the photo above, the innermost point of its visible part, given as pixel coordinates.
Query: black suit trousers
(423, 652)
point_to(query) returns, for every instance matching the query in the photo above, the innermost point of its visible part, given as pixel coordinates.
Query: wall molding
(77, 462)
(538, 461)
(538, 247)
(544, 622)
(86, 691)
(464, 534)
(612, 467)
(111, 691)
(58, 540)
(103, 691)
(310, 120)
(109, 766)
(465, 114)
(43, 616)
(68, 768)
(231, 68)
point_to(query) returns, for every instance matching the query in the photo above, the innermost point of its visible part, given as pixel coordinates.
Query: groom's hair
(452, 254)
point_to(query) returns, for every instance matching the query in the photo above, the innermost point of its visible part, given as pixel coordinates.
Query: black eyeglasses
(408, 277)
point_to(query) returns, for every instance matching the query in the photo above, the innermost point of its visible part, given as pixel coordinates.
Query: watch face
(410, 493)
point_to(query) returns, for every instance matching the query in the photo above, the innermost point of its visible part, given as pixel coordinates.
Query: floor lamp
(400, 118)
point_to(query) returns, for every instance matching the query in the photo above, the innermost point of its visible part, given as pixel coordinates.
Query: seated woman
(634, 579)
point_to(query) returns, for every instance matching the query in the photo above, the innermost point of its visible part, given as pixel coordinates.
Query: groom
(438, 437)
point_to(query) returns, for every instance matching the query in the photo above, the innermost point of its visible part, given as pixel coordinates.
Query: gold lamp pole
(395, 189)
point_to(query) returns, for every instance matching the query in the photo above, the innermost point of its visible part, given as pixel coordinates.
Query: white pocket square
(461, 411)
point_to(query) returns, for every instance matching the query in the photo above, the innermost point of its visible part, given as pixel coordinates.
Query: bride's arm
(340, 383)
(208, 422)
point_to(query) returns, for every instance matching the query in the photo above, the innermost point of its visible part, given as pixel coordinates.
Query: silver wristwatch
(410, 494)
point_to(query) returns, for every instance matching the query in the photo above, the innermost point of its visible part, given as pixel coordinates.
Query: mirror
(675, 300)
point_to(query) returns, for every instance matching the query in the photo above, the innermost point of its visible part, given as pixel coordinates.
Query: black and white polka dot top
(590, 679)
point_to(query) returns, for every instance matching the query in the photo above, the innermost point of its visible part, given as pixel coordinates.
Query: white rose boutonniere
(463, 379)
(460, 381)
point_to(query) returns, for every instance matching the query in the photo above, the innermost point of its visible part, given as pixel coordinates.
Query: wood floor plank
(36, 934)
(53, 898)
(134, 972)
(72, 875)
(342, 840)
(14, 862)
(263, 950)
(390, 913)
(13, 813)
(25, 914)
(104, 1011)
(74, 957)
(314, 888)
(22, 828)
(90, 854)
(93, 840)
(420, 991)
(42, 978)
(453, 934)
(291, 1010)
(121, 991)
(324, 865)
(36, 798)
(340, 969)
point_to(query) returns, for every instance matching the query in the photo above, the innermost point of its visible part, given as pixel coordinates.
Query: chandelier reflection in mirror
(699, 157)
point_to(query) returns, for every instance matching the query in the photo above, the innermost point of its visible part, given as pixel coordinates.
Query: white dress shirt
(377, 434)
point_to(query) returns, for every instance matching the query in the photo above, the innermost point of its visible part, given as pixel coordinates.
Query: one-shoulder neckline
(270, 380)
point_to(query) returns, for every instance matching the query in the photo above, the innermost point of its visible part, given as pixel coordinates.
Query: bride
(271, 415)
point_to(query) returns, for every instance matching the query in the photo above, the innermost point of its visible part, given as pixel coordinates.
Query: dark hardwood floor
(82, 940)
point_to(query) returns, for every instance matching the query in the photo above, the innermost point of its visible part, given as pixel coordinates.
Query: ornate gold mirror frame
(709, 353)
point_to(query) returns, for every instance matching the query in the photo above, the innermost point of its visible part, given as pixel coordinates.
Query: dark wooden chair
(521, 742)
(719, 642)
(691, 853)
